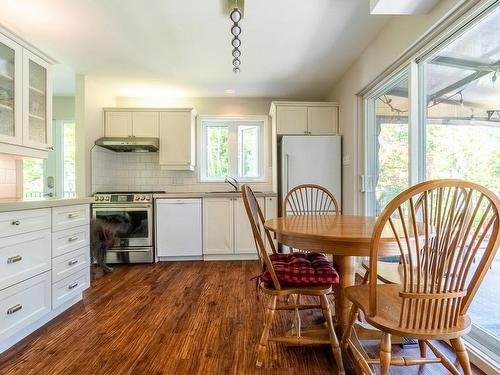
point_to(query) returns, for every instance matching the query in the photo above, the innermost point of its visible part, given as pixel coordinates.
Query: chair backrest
(256, 219)
(447, 243)
(309, 199)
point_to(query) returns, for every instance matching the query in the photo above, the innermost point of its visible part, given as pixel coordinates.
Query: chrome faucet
(233, 182)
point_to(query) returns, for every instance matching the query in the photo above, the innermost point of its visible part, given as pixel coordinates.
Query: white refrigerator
(310, 160)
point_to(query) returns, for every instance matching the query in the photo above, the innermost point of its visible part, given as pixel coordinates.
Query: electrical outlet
(346, 160)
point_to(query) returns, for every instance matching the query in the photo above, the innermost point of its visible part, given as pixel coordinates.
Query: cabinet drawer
(17, 222)
(23, 304)
(69, 287)
(70, 263)
(24, 256)
(70, 216)
(69, 240)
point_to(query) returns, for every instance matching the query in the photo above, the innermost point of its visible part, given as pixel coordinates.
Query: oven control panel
(123, 198)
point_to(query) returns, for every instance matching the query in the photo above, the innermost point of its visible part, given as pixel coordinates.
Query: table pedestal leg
(345, 268)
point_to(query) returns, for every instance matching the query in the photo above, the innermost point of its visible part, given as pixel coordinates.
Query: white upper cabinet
(117, 124)
(291, 120)
(145, 124)
(25, 100)
(305, 118)
(178, 139)
(37, 102)
(322, 120)
(130, 123)
(10, 91)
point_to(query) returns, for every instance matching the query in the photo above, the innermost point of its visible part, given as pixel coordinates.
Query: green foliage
(217, 151)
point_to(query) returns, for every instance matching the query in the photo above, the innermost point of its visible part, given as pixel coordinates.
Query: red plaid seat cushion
(301, 269)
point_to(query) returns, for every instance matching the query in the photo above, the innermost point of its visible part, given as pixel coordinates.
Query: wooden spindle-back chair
(256, 219)
(447, 245)
(309, 199)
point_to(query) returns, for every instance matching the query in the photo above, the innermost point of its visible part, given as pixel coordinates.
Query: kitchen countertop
(222, 194)
(13, 204)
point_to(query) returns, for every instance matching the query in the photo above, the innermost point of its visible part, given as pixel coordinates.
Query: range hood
(129, 144)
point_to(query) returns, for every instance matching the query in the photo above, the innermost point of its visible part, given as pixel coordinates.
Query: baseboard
(481, 357)
(26, 331)
(219, 257)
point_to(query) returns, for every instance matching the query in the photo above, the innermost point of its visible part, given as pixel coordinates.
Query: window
(450, 128)
(54, 177)
(232, 147)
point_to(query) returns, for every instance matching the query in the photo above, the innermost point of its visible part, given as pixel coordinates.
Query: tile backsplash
(115, 171)
(8, 177)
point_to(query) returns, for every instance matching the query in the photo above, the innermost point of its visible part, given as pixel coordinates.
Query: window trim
(233, 148)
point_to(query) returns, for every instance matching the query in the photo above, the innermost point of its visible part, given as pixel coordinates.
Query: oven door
(129, 225)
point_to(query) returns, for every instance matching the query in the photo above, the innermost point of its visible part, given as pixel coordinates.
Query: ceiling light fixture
(236, 15)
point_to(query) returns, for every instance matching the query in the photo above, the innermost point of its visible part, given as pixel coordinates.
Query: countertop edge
(209, 195)
(19, 205)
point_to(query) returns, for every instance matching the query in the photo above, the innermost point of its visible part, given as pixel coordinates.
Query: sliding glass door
(462, 136)
(387, 140)
(440, 118)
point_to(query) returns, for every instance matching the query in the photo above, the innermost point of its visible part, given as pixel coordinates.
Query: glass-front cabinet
(10, 91)
(37, 98)
(25, 100)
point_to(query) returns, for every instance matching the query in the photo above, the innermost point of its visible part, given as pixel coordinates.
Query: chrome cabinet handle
(73, 261)
(14, 259)
(14, 309)
(72, 216)
(72, 239)
(16, 222)
(72, 286)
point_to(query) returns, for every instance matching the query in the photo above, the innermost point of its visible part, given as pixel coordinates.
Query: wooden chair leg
(385, 353)
(261, 351)
(327, 314)
(463, 357)
(350, 324)
(423, 348)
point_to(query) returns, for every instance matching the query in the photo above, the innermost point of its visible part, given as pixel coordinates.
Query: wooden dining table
(345, 237)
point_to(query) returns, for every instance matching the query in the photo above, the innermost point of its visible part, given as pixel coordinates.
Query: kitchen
(126, 227)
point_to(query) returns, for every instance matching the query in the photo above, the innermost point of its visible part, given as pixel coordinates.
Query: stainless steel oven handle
(121, 206)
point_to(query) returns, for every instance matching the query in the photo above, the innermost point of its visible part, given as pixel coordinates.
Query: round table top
(335, 234)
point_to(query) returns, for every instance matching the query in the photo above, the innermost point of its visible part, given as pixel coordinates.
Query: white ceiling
(290, 48)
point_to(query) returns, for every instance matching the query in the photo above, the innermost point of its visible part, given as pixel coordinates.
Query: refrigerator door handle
(287, 161)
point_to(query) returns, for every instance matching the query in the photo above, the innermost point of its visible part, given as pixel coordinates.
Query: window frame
(233, 146)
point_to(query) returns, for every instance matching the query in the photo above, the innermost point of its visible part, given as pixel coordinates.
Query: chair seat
(387, 272)
(301, 270)
(389, 305)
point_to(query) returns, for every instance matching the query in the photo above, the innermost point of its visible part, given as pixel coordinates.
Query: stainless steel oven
(125, 222)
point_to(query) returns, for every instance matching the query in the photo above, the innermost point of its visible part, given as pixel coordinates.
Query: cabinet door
(218, 226)
(291, 120)
(37, 102)
(243, 236)
(118, 124)
(177, 140)
(322, 120)
(145, 124)
(11, 62)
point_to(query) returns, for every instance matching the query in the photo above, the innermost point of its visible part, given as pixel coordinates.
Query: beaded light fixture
(236, 15)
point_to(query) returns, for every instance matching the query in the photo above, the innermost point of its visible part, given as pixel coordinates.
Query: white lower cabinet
(24, 256)
(70, 287)
(226, 229)
(24, 303)
(67, 264)
(44, 263)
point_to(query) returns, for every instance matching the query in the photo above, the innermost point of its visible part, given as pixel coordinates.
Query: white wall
(394, 39)
(90, 97)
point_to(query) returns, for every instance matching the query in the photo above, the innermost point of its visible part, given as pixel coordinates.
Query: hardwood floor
(171, 318)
